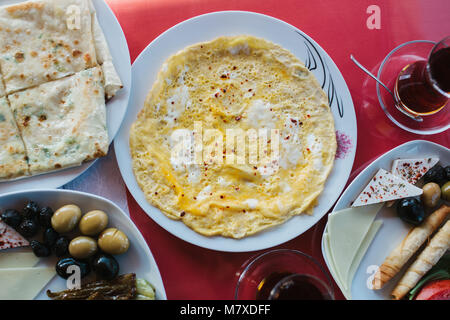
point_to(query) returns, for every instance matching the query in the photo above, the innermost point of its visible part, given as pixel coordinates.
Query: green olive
(82, 247)
(113, 241)
(445, 190)
(66, 218)
(93, 222)
(431, 194)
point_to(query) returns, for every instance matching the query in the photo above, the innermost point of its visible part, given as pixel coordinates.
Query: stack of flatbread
(56, 75)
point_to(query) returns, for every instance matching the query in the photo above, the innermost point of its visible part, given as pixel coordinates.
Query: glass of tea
(423, 87)
(283, 274)
(417, 73)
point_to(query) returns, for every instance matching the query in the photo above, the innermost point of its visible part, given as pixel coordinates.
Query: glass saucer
(293, 262)
(394, 62)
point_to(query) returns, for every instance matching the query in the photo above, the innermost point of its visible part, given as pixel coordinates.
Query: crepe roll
(424, 262)
(112, 80)
(404, 251)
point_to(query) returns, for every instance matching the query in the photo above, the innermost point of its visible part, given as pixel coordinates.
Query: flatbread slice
(44, 40)
(63, 123)
(2, 87)
(104, 58)
(13, 161)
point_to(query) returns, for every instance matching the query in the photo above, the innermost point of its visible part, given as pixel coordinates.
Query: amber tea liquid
(416, 84)
(294, 288)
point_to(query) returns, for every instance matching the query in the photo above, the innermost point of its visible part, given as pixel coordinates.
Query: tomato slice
(435, 290)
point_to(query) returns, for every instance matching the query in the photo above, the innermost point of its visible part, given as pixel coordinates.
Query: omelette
(236, 136)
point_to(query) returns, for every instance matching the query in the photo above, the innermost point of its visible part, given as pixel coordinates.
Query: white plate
(115, 109)
(393, 230)
(138, 259)
(208, 27)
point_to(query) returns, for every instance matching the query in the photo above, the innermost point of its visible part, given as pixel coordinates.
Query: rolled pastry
(404, 251)
(104, 58)
(424, 262)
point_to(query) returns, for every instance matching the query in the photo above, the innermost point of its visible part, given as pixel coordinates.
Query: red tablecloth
(190, 272)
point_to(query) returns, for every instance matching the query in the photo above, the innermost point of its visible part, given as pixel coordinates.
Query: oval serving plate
(393, 230)
(207, 27)
(115, 108)
(138, 259)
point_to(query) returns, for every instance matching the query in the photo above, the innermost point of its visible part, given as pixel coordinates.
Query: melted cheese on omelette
(234, 87)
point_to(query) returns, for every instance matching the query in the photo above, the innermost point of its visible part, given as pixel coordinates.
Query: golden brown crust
(410, 244)
(25, 7)
(435, 249)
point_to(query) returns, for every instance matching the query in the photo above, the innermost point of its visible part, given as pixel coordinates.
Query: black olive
(50, 237)
(63, 264)
(45, 217)
(411, 210)
(39, 249)
(12, 217)
(447, 172)
(436, 174)
(61, 246)
(31, 210)
(28, 228)
(105, 266)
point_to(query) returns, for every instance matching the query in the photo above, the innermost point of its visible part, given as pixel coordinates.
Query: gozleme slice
(15, 259)
(385, 186)
(23, 283)
(63, 123)
(2, 87)
(347, 229)
(13, 161)
(44, 40)
(412, 170)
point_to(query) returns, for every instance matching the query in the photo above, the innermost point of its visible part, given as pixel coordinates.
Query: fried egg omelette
(230, 85)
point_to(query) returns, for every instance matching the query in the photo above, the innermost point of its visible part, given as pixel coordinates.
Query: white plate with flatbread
(392, 229)
(231, 23)
(115, 108)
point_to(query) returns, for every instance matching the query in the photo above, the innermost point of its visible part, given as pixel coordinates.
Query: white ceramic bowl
(138, 259)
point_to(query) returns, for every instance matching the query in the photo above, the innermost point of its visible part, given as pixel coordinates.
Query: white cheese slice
(23, 283)
(332, 267)
(14, 259)
(412, 170)
(362, 251)
(347, 229)
(10, 238)
(383, 187)
(346, 287)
